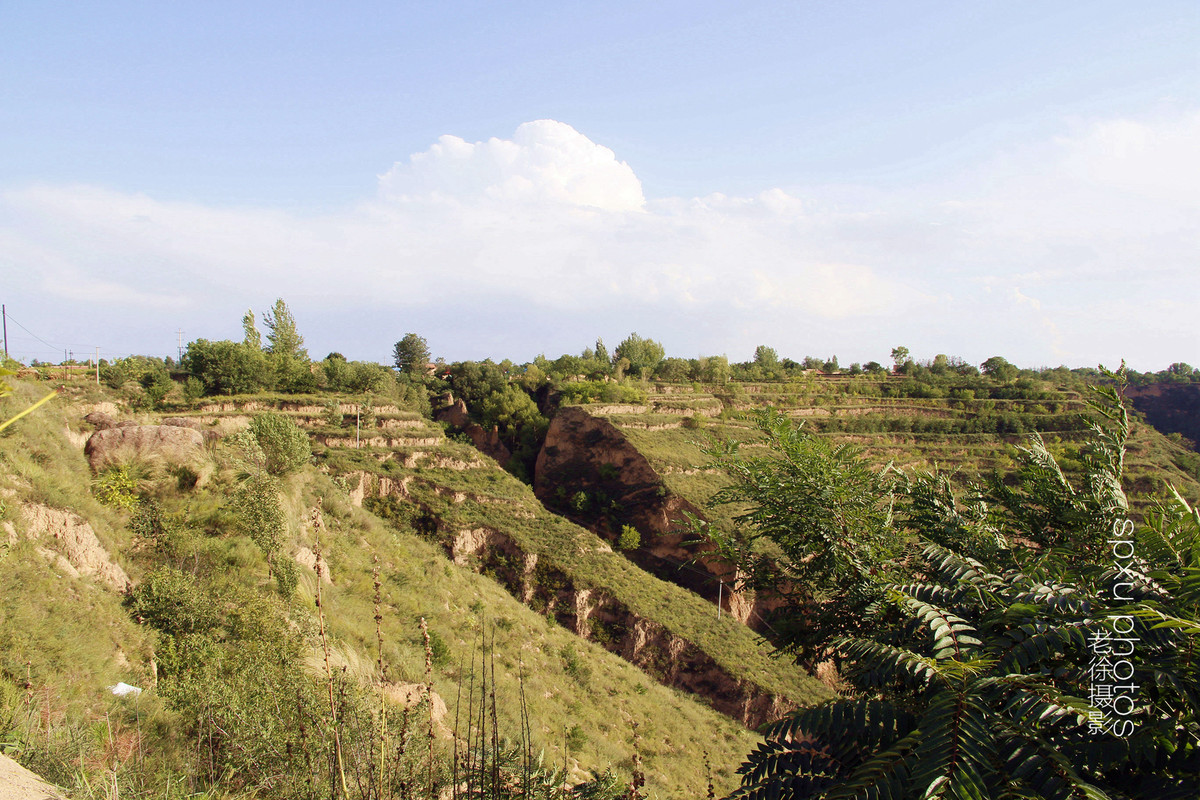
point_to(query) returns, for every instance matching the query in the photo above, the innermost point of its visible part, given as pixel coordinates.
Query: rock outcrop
(168, 443)
(585, 453)
(594, 614)
(485, 441)
(590, 612)
(77, 542)
(1169, 407)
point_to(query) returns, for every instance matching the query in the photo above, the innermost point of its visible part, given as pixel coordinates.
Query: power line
(31, 333)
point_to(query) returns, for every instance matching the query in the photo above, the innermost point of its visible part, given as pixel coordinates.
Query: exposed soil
(18, 783)
(1170, 407)
(585, 453)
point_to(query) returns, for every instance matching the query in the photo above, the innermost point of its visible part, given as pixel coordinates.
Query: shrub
(259, 516)
(331, 413)
(274, 443)
(630, 538)
(172, 602)
(116, 486)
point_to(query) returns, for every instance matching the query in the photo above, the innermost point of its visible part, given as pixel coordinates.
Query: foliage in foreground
(1057, 661)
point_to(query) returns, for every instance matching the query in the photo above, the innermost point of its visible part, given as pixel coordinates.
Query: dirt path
(18, 783)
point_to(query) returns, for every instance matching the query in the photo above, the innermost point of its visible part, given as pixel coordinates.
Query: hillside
(458, 542)
(643, 464)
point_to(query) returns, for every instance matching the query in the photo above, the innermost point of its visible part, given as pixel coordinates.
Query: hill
(457, 542)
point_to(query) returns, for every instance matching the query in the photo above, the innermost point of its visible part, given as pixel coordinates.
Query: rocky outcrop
(485, 441)
(100, 421)
(1169, 407)
(410, 696)
(585, 453)
(590, 612)
(593, 614)
(167, 443)
(76, 541)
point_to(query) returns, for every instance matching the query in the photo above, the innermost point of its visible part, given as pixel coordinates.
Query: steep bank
(566, 574)
(1169, 407)
(589, 470)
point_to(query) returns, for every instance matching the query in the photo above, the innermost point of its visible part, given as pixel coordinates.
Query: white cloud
(545, 162)
(1053, 252)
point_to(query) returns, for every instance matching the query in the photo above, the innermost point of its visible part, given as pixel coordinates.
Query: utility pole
(97, 365)
(179, 342)
(4, 314)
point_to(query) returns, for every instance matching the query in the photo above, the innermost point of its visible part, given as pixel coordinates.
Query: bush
(630, 538)
(117, 487)
(259, 516)
(172, 602)
(275, 444)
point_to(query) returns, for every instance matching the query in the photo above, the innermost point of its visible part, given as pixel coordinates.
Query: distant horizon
(958, 179)
(843, 364)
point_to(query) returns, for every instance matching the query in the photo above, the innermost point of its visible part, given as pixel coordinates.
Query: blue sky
(508, 179)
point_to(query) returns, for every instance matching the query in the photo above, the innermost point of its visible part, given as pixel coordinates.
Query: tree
(973, 681)
(900, 357)
(412, 355)
(226, 367)
(258, 513)
(998, 367)
(766, 357)
(643, 354)
(282, 337)
(274, 444)
(827, 516)
(674, 369)
(715, 370)
(601, 351)
(251, 337)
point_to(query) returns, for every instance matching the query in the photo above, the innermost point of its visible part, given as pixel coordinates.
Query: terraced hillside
(590, 643)
(404, 471)
(607, 466)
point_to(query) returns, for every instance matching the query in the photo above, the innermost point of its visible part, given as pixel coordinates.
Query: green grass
(67, 633)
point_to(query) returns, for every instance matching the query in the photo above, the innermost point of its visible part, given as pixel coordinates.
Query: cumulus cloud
(1035, 255)
(545, 162)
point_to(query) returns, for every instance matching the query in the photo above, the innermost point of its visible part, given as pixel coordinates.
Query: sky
(507, 179)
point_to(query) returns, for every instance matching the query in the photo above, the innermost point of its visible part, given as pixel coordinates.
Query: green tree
(766, 357)
(284, 340)
(715, 370)
(412, 355)
(251, 337)
(978, 679)
(997, 367)
(285, 348)
(156, 384)
(643, 354)
(258, 513)
(674, 369)
(226, 367)
(274, 444)
(602, 351)
(828, 518)
(900, 357)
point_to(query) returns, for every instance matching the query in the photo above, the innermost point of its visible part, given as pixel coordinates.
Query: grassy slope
(575, 690)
